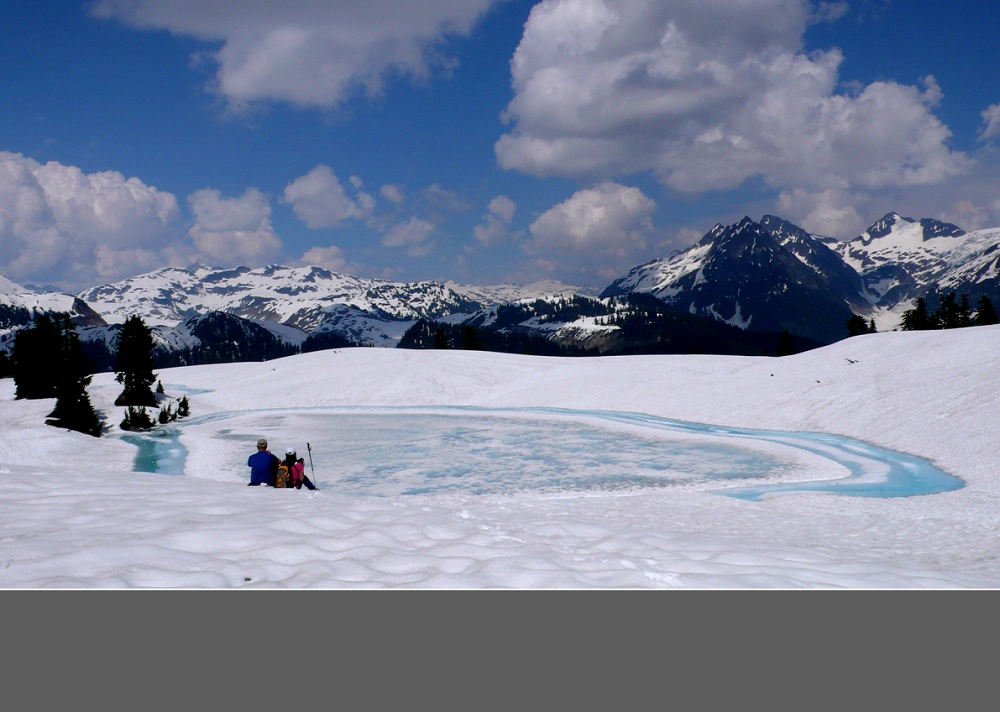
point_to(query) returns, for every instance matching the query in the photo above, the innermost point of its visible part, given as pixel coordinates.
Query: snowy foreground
(75, 515)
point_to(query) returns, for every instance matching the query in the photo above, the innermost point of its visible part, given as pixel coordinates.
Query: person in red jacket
(297, 468)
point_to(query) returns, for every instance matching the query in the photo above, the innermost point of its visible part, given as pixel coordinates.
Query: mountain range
(738, 282)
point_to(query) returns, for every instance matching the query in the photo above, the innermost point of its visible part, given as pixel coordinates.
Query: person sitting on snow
(263, 465)
(297, 469)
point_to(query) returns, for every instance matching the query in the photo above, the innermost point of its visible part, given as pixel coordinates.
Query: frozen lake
(409, 451)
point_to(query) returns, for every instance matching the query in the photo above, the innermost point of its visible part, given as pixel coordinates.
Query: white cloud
(233, 229)
(496, 222)
(707, 94)
(991, 123)
(392, 193)
(414, 235)
(318, 199)
(830, 10)
(331, 257)
(832, 212)
(59, 224)
(503, 207)
(309, 52)
(601, 229)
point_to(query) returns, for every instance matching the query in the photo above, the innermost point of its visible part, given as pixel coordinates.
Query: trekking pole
(311, 469)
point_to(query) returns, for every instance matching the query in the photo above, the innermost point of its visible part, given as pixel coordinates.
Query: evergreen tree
(952, 313)
(183, 408)
(985, 314)
(134, 364)
(37, 359)
(73, 409)
(856, 326)
(440, 338)
(917, 319)
(964, 311)
(136, 418)
(470, 339)
(871, 327)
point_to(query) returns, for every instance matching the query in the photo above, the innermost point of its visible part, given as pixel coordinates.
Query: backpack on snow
(283, 478)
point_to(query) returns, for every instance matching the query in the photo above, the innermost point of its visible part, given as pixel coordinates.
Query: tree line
(953, 312)
(47, 361)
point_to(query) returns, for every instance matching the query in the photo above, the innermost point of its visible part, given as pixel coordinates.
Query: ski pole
(311, 468)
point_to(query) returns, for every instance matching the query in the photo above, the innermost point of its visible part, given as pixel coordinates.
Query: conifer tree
(964, 311)
(856, 326)
(37, 359)
(985, 314)
(917, 318)
(134, 364)
(136, 418)
(73, 409)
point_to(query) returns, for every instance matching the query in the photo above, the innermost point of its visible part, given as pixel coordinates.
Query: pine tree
(985, 314)
(37, 359)
(73, 409)
(917, 319)
(134, 364)
(856, 326)
(183, 408)
(136, 418)
(964, 311)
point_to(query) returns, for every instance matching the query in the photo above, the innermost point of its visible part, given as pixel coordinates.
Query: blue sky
(481, 141)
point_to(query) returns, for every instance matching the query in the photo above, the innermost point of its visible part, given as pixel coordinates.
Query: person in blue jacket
(263, 465)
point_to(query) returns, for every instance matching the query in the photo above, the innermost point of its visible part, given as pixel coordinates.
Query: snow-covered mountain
(766, 276)
(761, 278)
(297, 296)
(19, 305)
(773, 274)
(901, 259)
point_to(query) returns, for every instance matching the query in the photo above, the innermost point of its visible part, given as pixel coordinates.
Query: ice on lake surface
(410, 451)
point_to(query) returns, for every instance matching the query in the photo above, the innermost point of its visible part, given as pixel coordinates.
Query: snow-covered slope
(926, 394)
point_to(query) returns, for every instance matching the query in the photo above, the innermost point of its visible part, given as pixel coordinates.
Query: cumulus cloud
(319, 200)
(707, 94)
(830, 212)
(59, 224)
(331, 257)
(414, 235)
(233, 229)
(496, 223)
(599, 229)
(309, 52)
(991, 123)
